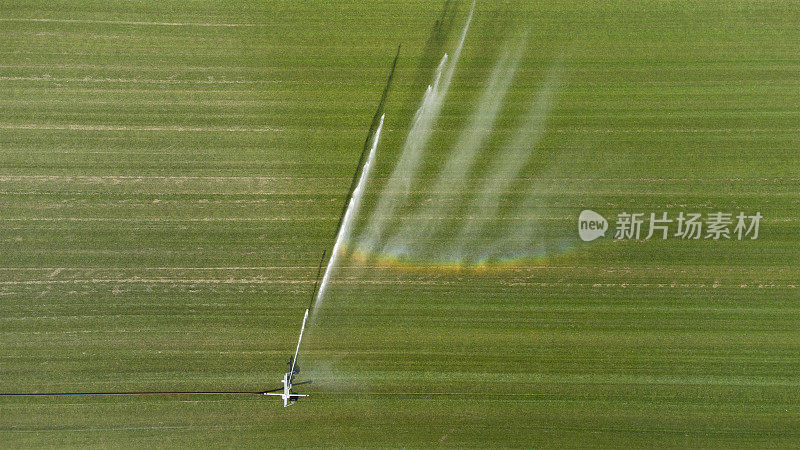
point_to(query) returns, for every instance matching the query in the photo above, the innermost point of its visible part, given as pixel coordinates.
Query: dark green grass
(166, 189)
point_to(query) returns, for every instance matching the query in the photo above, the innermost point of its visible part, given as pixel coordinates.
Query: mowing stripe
(130, 22)
(77, 127)
(67, 394)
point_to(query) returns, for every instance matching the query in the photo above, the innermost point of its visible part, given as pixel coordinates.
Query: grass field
(171, 171)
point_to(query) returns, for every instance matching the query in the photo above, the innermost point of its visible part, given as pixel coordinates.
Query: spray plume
(508, 164)
(453, 177)
(396, 192)
(347, 221)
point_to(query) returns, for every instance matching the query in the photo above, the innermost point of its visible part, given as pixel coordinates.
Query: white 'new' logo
(591, 225)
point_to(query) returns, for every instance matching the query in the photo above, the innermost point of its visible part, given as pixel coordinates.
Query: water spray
(347, 222)
(508, 164)
(397, 190)
(453, 177)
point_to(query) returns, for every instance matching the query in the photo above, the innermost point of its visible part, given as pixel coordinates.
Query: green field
(171, 171)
